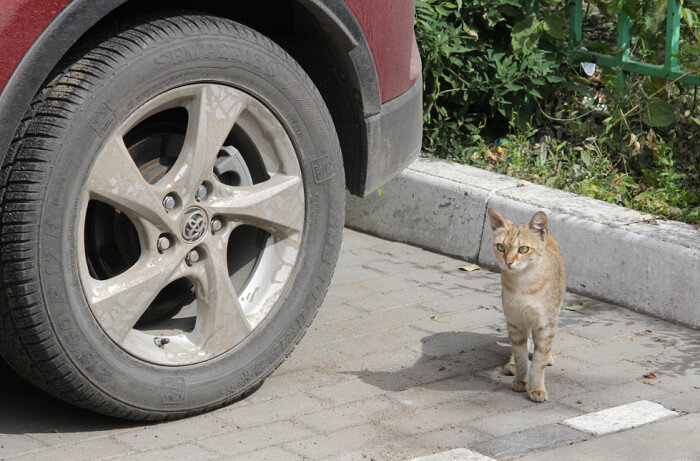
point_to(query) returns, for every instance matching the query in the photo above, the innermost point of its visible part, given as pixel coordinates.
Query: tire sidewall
(263, 71)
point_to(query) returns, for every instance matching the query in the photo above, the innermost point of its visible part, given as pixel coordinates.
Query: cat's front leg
(543, 337)
(518, 344)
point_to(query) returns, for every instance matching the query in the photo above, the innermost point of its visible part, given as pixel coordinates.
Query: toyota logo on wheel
(194, 224)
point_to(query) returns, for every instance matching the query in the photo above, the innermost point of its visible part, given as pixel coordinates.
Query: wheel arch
(322, 35)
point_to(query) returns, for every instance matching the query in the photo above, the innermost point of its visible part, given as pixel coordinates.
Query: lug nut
(161, 342)
(192, 257)
(201, 192)
(163, 243)
(216, 224)
(169, 202)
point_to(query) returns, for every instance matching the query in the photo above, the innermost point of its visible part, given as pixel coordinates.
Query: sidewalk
(403, 361)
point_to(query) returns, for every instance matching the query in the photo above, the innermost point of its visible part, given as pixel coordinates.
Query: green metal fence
(621, 60)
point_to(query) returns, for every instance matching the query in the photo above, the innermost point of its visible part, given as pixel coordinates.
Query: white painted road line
(620, 418)
(458, 454)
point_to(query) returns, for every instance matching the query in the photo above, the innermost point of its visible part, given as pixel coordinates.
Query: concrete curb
(611, 252)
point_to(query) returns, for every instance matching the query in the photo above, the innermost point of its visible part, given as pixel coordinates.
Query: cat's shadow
(25, 409)
(449, 361)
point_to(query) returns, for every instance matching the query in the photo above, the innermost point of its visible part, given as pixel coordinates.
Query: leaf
(649, 375)
(471, 33)
(659, 113)
(469, 268)
(555, 79)
(586, 157)
(576, 307)
(554, 26)
(513, 87)
(524, 33)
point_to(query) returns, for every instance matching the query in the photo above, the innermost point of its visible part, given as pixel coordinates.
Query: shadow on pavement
(25, 409)
(446, 355)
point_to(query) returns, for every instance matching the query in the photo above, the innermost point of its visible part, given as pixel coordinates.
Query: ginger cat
(533, 279)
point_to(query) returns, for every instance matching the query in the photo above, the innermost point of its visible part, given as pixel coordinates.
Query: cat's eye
(500, 247)
(523, 249)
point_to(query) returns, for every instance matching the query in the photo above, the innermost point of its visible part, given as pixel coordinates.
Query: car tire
(76, 221)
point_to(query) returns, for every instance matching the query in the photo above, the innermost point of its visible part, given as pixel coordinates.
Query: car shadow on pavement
(460, 355)
(25, 409)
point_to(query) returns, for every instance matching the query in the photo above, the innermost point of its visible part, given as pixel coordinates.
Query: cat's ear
(539, 224)
(497, 221)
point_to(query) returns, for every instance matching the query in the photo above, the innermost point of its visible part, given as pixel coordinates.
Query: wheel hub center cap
(193, 224)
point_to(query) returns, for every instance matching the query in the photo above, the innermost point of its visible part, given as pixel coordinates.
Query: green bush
(501, 92)
(483, 65)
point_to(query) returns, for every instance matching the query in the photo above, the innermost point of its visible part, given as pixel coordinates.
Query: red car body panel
(21, 23)
(387, 24)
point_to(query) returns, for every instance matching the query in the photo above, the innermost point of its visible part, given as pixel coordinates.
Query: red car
(173, 184)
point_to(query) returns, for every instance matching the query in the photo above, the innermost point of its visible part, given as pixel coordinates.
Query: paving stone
(384, 320)
(457, 454)
(346, 391)
(323, 334)
(266, 454)
(66, 437)
(686, 402)
(613, 351)
(325, 446)
(376, 361)
(12, 444)
(189, 451)
(392, 249)
(565, 342)
(335, 313)
(673, 439)
(423, 259)
(277, 409)
(355, 239)
(365, 411)
(396, 338)
(516, 421)
(278, 385)
(416, 278)
(309, 356)
(467, 343)
(344, 293)
(613, 396)
(163, 434)
(556, 380)
(84, 450)
(400, 298)
(414, 421)
(462, 321)
(465, 302)
(604, 376)
(601, 330)
(456, 388)
(347, 275)
(243, 441)
(620, 418)
(537, 439)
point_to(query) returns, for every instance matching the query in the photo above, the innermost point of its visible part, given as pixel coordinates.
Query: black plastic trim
(394, 138)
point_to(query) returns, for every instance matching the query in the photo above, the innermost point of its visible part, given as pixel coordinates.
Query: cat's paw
(519, 385)
(538, 395)
(551, 360)
(509, 368)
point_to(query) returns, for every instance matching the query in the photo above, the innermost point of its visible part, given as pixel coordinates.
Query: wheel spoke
(276, 205)
(117, 181)
(212, 113)
(120, 301)
(223, 322)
